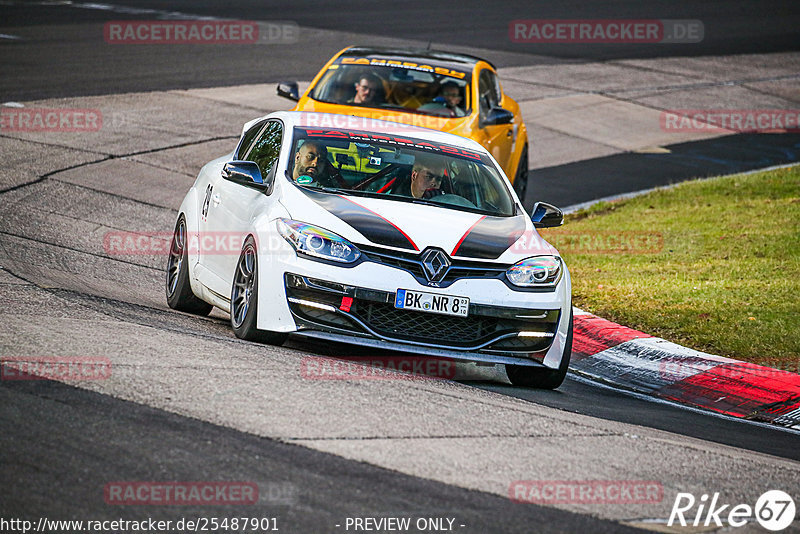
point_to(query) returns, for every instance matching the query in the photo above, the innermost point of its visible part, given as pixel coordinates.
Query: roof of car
(418, 53)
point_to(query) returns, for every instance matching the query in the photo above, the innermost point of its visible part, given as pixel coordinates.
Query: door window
(267, 148)
(489, 90)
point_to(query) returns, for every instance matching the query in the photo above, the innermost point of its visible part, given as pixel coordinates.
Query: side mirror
(289, 90)
(246, 173)
(496, 116)
(546, 215)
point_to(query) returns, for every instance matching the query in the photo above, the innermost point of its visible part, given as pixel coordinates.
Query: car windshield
(384, 83)
(398, 168)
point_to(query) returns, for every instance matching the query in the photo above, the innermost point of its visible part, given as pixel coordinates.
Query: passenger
(451, 94)
(367, 88)
(448, 102)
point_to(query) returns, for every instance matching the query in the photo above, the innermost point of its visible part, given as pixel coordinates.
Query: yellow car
(455, 93)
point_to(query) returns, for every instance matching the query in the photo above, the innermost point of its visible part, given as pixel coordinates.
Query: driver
(367, 88)
(426, 177)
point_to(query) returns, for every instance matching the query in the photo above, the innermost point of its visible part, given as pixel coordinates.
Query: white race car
(374, 233)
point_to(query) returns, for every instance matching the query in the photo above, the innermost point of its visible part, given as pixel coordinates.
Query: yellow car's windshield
(392, 84)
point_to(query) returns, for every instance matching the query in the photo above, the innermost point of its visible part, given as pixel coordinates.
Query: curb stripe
(644, 365)
(612, 353)
(593, 334)
(740, 389)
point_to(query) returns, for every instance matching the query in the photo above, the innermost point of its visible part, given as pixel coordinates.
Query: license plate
(406, 299)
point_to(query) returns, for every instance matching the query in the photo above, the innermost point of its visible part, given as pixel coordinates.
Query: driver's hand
(430, 193)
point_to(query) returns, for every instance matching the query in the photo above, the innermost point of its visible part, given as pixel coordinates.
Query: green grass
(715, 264)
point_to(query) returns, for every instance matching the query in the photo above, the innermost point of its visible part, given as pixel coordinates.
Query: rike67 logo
(774, 510)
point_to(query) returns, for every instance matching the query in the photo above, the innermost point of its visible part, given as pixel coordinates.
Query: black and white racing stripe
(489, 237)
(370, 224)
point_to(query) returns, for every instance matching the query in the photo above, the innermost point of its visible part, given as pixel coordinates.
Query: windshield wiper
(340, 190)
(317, 187)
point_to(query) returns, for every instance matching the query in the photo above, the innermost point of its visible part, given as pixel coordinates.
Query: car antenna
(429, 45)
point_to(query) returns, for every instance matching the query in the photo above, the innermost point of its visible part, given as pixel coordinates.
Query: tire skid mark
(107, 157)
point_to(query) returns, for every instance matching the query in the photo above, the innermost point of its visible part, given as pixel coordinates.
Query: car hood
(415, 227)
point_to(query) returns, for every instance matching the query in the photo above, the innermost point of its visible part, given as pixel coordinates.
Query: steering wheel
(334, 174)
(434, 107)
(452, 199)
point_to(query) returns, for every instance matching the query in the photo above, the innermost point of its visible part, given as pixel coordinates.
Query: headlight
(539, 271)
(317, 242)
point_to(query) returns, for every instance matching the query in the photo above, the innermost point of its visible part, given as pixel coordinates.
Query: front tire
(244, 299)
(536, 377)
(179, 290)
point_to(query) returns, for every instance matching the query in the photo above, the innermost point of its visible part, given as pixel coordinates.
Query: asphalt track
(61, 444)
(57, 54)
(65, 465)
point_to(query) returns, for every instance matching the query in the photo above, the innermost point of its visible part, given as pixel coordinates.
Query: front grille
(373, 313)
(399, 260)
(425, 327)
(454, 273)
(411, 262)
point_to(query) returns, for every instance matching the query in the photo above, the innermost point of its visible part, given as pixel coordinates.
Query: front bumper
(349, 310)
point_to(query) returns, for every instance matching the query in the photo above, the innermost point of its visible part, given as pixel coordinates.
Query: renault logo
(435, 264)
